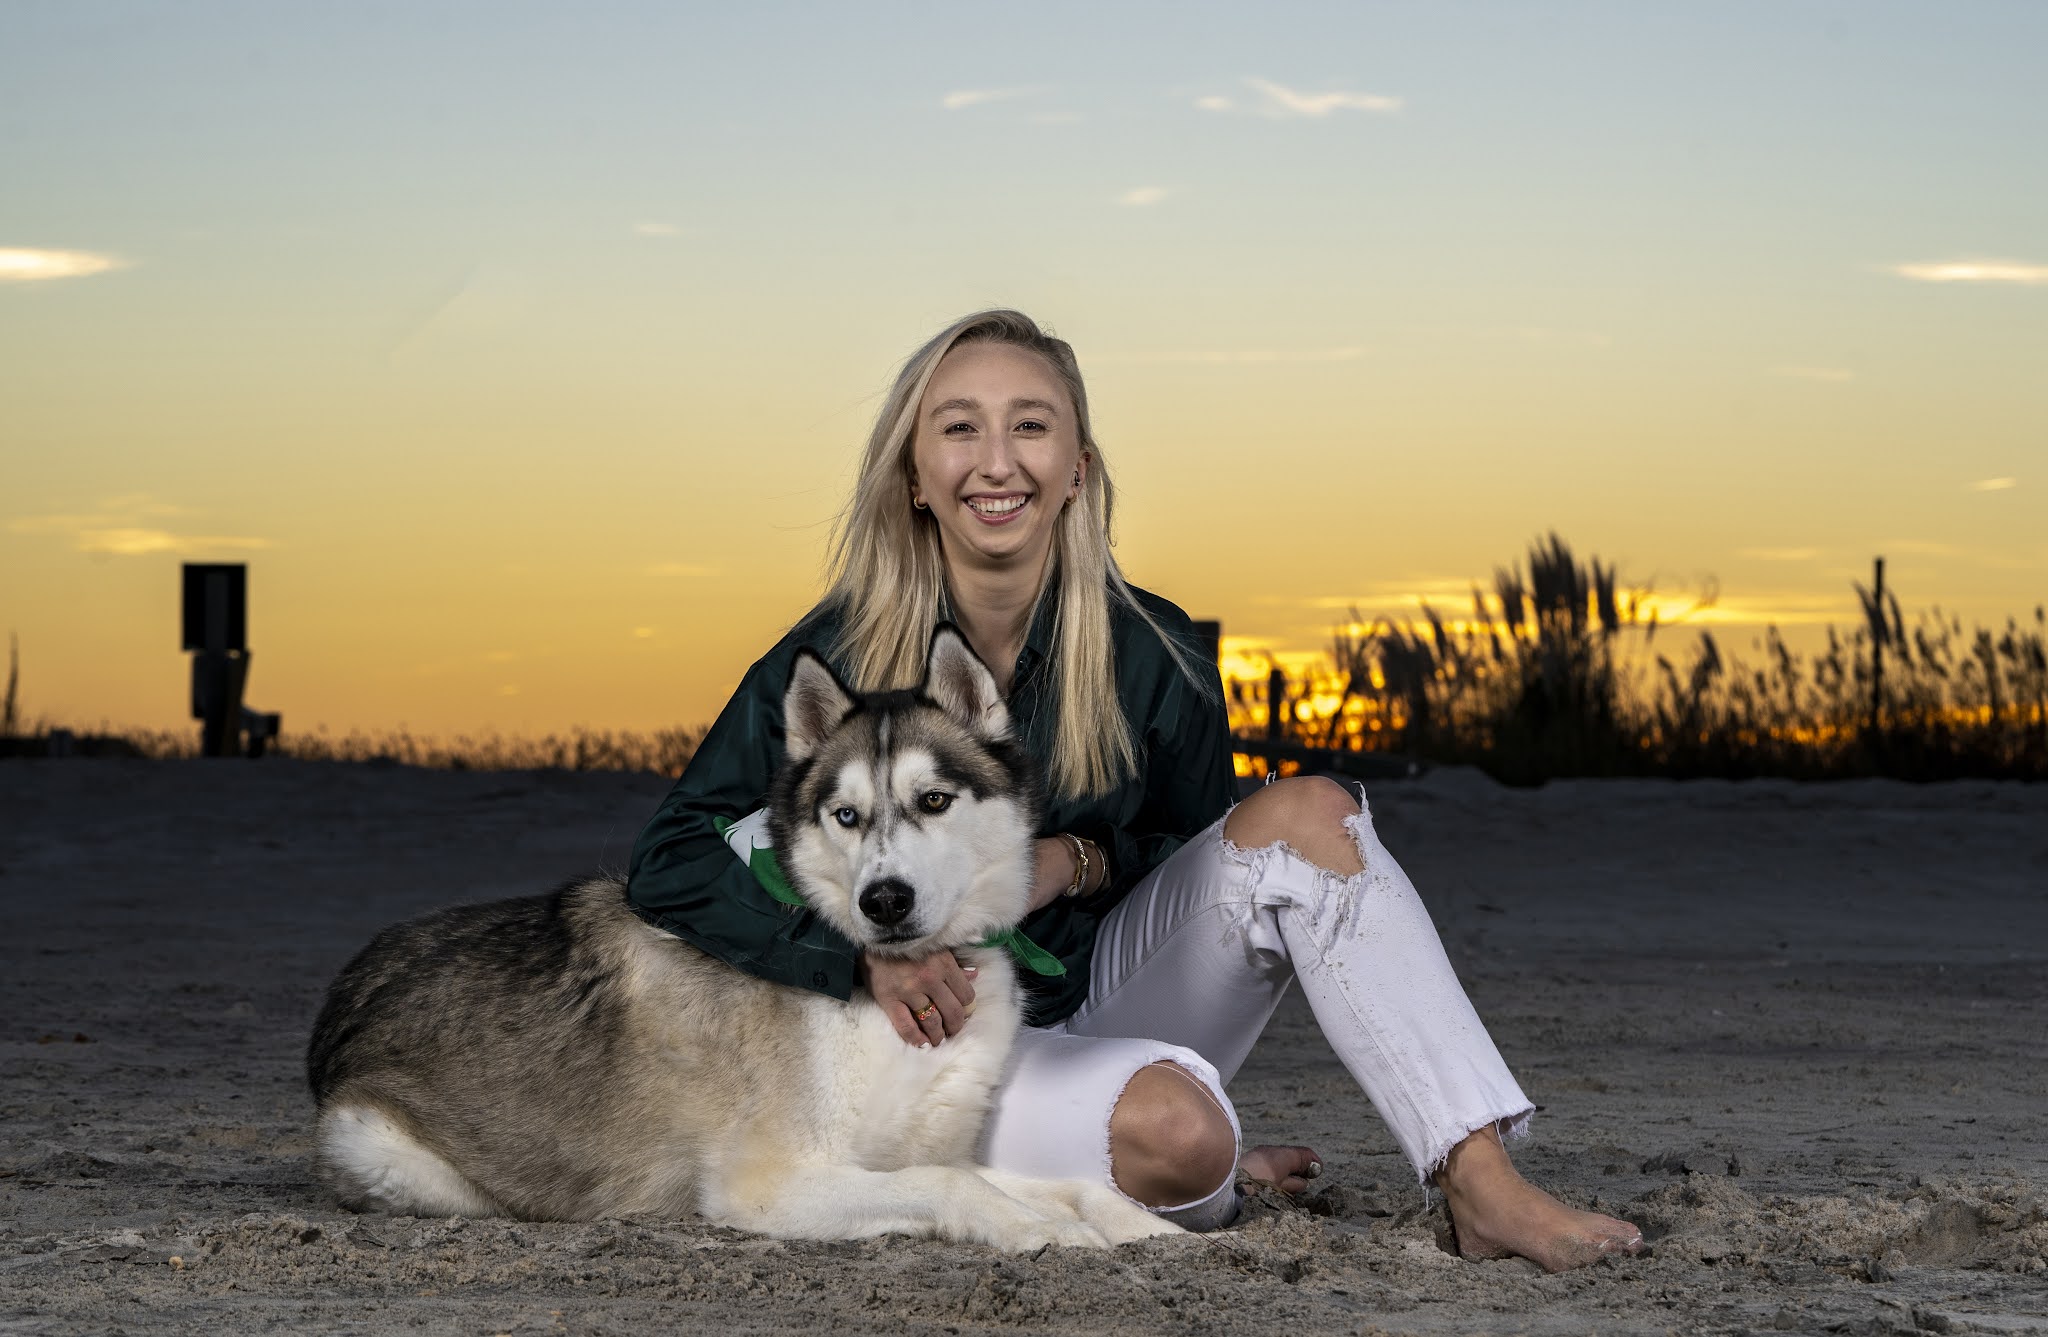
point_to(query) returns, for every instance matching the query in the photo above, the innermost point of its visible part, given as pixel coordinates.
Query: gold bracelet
(1080, 863)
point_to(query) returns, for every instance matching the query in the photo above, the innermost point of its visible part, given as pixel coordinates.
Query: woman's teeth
(1003, 507)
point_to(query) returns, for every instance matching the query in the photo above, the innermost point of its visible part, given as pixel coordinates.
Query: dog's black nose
(887, 902)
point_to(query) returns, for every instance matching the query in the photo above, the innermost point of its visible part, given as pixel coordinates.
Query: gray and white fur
(558, 1058)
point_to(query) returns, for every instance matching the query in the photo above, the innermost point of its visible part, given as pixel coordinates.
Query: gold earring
(918, 502)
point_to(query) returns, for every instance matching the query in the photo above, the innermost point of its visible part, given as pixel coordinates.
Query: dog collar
(751, 833)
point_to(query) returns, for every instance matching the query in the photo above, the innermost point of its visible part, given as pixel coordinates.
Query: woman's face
(996, 456)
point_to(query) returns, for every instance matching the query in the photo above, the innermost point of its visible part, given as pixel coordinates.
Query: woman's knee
(1306, 811)
(1170, 1140)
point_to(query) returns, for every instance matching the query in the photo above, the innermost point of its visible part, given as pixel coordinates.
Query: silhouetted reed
(1555, 675)
(659, 751)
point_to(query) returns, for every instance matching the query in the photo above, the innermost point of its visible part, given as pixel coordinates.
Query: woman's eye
(936, 801)
(846, 817)
(959, 428)
(1031, 427)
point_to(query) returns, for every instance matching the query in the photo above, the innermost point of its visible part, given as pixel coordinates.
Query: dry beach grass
(1558, 670)
(1795, 1031)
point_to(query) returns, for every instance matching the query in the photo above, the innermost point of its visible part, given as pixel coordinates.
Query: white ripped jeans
(1190, 966)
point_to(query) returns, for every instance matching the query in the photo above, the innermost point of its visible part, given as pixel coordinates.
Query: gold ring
(925, 1015)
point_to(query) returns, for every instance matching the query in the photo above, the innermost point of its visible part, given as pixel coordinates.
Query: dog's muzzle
(887, 902)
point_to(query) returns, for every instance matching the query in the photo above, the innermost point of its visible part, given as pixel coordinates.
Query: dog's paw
(1122, 1231)
(1077, 1235)
(1065, 1234)
(1119, 1219)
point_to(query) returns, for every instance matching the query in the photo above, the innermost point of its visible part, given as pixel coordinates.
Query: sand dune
(1799, 1033)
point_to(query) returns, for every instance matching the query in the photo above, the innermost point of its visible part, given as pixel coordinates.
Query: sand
(1799, 1033)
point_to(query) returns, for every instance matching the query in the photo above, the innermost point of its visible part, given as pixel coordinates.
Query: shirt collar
(1037, 638)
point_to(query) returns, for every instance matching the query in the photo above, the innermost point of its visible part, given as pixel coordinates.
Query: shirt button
(818, 978)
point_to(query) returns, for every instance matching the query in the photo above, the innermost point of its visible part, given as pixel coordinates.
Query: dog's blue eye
(846, 817)
(935, 801)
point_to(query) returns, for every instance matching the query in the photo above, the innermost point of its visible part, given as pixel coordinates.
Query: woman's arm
(1056, 867)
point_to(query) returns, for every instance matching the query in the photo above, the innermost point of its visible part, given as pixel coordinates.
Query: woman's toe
(1288, 1169)
(1621, 1237)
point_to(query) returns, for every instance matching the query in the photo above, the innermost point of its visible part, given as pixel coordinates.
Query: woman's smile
(998, 510)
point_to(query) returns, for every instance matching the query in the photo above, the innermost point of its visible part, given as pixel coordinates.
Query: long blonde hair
(888, 572)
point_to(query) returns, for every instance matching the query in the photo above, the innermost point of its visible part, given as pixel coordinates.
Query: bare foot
(1498, 1214)
(1286, 1168)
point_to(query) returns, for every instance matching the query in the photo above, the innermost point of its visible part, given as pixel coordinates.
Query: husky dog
(558, 1058)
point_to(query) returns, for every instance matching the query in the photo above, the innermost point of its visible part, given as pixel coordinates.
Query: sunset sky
(523, 351)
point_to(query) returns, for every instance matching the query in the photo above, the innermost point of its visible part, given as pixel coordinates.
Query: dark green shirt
(686, 879)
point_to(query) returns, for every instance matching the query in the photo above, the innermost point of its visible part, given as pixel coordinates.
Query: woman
(1177, 920)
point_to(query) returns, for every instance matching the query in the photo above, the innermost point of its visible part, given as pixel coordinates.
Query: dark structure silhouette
(216, 633)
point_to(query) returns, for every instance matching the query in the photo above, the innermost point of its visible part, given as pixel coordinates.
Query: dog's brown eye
(937, 802)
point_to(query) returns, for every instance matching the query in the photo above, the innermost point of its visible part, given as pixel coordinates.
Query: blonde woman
(984, 499)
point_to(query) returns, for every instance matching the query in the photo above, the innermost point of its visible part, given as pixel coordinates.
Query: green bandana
(767, 871)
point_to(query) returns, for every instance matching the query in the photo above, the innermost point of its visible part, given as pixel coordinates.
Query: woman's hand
(937, 986)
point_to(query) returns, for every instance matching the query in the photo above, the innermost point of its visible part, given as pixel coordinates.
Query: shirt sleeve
(685, 879)
(1189, 781)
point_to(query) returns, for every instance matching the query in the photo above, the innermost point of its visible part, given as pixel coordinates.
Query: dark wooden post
(216, 632)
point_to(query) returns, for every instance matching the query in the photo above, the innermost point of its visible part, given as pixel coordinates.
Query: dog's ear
(812, 705)
(956, 678)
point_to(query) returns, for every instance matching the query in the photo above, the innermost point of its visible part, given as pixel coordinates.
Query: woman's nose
(998, 460)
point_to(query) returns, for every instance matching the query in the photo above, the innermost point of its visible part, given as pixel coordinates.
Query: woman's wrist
(1058, 864)
(1091, 870)
(1055, 866)
(1078, 884)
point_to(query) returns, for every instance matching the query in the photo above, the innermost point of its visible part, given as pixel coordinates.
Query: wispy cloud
(142, 542)
(961, 98)
(1243, 356)
(1543, 335)
(1400, 602)
(1282, 102)
(1996, 559)
(1830, 374)
(1443, 592)
(1994, 484)
(1974, 271)
(1140, 196)
(656, 230)
(1784, 609)
(29, 265)
(119, 529)
(1780, 554)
